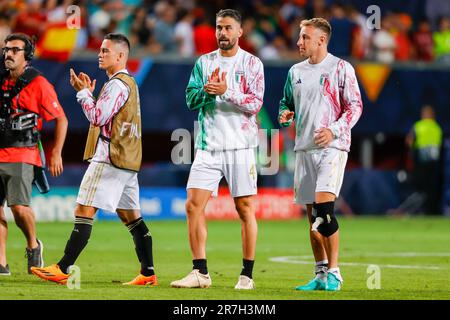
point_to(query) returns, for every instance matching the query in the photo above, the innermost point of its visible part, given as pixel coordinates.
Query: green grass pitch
(412, 253)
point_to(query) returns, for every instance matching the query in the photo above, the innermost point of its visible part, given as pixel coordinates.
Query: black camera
(23, 121)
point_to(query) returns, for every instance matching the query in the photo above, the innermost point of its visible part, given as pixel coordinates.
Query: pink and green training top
(227, 122)
(323, 95)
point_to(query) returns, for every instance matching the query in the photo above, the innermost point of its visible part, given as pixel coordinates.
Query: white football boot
(245, 283)
(194, 279)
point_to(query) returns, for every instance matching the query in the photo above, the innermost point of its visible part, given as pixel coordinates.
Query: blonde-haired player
(322, 95)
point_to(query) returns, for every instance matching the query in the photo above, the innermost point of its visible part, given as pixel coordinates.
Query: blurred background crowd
(418, 30)
(411, 42)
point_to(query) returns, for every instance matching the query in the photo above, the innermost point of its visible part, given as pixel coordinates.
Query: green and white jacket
(322, 95)
(227, 122)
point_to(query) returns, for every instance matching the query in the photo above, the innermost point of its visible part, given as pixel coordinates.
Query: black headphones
(29, 44)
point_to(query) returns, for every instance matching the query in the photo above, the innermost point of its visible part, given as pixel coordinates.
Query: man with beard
(227, 88)
(26, 98)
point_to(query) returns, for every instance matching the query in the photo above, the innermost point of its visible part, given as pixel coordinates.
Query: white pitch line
(298, 260)
(401, 254)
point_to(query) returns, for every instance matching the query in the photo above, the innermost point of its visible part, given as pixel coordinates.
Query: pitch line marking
(306, 259)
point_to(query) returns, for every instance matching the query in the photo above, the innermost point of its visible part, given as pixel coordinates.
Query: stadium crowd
(186, 27)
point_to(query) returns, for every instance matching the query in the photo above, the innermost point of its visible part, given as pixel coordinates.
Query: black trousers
(426, 180)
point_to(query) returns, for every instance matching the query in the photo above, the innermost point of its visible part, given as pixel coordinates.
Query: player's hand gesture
(323, 137)
(286, 116)
(91, 84)
(216, 85)
(214, 77)
(82, 81)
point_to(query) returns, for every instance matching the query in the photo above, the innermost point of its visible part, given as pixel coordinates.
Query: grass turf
(413, 255)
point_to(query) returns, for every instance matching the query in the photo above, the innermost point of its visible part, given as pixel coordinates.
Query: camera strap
(29, 75)
(15, 135)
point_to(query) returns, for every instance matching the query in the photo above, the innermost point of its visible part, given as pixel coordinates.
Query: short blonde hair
(318, 23)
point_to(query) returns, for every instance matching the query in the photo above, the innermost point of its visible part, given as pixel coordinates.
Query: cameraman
(26, 98)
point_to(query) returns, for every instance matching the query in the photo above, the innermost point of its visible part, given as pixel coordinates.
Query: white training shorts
(237, 166)
(319, 170)
(109, 188)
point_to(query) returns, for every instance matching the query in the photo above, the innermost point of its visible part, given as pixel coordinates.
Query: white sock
(318, 263)
(337, 273)
(320, 270)
(321, 276)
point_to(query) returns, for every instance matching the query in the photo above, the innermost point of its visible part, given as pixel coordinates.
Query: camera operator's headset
(29, 44)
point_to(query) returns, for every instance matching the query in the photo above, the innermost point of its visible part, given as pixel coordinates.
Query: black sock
(247, 268)
(78, 240)
(200, 264)
(143, 244)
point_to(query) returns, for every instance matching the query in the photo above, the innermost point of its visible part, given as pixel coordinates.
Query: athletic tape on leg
(325, 221)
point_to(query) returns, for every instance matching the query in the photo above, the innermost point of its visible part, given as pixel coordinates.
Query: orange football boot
(51, 273)
(142, 280)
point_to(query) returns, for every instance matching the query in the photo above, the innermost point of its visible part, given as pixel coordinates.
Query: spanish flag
(57, 42)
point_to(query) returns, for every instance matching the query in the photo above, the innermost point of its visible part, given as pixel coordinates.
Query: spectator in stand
(403, 46)
(184, 34)
(204, 35)
(106, 16)
(340, 42)
(288, 13)
(164, 30)
(442, 40)
(98, 22)
(271, 50)
(423, 42)
(5, 28)
(361, 35)
(187, 5)
(156, 26)
(133, 4)
(56, 10)
(292, 35)
(434, 9)
(83, 34)
(250, 40)
(267, 28)
(383, 42)
(318, 9)
(292, 9)
(141, 33)
(32, 20)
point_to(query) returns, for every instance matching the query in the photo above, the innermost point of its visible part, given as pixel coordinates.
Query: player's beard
(226, 45)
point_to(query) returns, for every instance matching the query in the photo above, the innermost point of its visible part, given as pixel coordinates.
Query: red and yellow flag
(57, 42)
